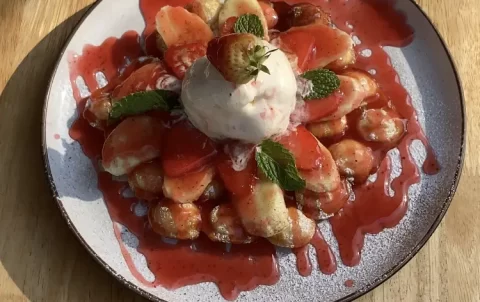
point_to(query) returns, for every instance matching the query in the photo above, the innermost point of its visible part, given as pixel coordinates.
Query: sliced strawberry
(227, 27)
(135, 140)
(320, 108)
(239, 183)
(140, 80)
(134, 66)
(179, 58)
(186, 149)
(178, 26)
(304, 147)
(301, 44)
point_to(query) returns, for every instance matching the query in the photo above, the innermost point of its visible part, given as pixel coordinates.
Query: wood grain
(41, 260)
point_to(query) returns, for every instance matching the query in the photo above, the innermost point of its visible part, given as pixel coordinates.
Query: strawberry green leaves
(250, 24)
(239, 57)
(324, 82)
(278, 165)
(141, 102)
(257, 56)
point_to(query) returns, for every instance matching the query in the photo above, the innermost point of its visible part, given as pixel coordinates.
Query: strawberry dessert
(249, 123)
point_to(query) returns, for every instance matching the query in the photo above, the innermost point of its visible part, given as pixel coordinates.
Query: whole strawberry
(238, 57)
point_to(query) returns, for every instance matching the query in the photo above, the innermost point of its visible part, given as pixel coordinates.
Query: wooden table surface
(40, 258)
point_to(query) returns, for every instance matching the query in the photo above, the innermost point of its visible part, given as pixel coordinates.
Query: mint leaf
(141, 102)
(324, 81)
(278, 165)
(250, 24)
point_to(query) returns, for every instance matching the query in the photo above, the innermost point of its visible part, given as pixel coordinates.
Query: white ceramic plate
(426, 70)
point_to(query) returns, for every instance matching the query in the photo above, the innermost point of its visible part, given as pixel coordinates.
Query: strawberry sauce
(244, 267)
(325, 258)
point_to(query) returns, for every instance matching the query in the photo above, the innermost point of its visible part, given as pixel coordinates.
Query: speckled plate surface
(426, 70)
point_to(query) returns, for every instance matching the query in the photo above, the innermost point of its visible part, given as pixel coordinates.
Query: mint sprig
(141, 102)
(324, 82)
(250, 24)
(278, 165)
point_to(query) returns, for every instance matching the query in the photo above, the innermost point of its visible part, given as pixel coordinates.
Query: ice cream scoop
(248, 112)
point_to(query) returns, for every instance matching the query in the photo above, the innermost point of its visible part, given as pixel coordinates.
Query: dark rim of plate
(351, 297)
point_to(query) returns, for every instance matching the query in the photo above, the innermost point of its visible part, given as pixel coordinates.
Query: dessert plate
(425, 69)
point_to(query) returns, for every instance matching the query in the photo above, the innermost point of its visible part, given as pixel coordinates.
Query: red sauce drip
(245, 267)
(56, 136)
(108, 58)
(325, 257)
(90, 139)
(304, 265)
(349, 283)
